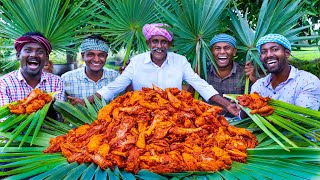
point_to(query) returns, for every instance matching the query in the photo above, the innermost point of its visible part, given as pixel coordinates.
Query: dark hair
(33, 34)
(97, 37)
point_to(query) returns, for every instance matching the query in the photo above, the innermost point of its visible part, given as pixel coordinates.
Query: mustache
(156, 49)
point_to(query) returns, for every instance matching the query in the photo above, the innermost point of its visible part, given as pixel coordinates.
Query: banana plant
(123, 24)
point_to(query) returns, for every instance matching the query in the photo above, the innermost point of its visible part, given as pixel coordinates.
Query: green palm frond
(123, 23)
(78, 115)
(22, 126)
(300, 123)
(193, 24)
(262, 163)
(60, 21)
(267, 161)
(269, 21)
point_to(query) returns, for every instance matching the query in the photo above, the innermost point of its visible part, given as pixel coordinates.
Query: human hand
(250, 71)
(122, 68)
(233, 108)
(74, 100)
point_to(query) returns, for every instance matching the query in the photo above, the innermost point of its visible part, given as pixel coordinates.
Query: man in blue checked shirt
(87, 80)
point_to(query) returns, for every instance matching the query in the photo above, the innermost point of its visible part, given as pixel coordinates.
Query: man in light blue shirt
(285, 82)
(161, 68)
(87, 80)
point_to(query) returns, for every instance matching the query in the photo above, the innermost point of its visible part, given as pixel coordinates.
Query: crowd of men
(163, 68)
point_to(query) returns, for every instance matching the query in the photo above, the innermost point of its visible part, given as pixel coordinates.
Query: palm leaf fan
(123, 22)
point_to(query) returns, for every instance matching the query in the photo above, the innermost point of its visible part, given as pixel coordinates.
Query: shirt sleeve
(255, 87)
(4, 98)
(109, 91)
(200, 85)
(309, 95)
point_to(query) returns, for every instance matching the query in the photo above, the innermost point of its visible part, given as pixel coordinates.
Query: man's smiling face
(223, 53)
(33, 58)
(274, 57)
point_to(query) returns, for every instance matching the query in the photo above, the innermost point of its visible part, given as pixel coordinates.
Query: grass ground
(307, 54)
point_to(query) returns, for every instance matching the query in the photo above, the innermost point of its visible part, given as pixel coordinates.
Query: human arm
(207, 91)
(309, 95)
(74, 100)
(231, 107)
(4, 98)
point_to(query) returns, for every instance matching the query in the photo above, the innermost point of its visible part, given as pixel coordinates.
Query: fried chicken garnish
(35, 100)
(258, 104)
(163, 131)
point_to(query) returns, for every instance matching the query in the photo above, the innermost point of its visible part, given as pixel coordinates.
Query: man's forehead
(95, 51)
(222, 44)
(159, 37)
(270, 45)
(33, 45)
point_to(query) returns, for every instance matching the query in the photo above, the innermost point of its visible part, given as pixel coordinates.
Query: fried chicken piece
(102, 162)
(81, 130)
(16, 109)
(237, 155)
(258, 104)
(31, 96)
(175, 102)
(184, 131)
(35, 105)
(55, 144)
(190, 162)
(95, 142)
(161, 131)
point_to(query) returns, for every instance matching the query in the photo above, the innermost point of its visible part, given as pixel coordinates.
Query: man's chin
(33, 71)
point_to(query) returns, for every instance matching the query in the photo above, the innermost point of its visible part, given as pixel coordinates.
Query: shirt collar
(292, 75)
(44, 76)
(233, 70)
(148, 58)
(83, 74)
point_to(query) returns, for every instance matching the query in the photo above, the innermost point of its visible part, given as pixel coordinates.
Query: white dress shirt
(142, 72)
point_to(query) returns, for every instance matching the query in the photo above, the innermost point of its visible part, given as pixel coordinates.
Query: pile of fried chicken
(159, 130)
(35, 100)
(257, 104)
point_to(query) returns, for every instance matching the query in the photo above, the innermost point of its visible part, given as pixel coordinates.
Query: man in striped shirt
(33, 51)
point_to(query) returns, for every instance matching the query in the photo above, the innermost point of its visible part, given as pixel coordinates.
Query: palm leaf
(16, 125)
(268, 162)
(123, 23)
(193, 25)
(268, 22)
(298, 124)
(60, 21)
